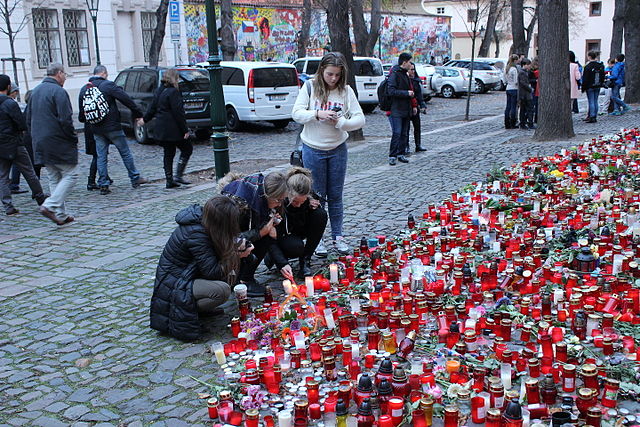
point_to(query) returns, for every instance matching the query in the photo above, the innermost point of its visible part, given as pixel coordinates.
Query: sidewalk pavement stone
(75, 343)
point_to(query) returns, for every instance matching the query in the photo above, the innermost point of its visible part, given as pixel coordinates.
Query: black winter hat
(5, 81)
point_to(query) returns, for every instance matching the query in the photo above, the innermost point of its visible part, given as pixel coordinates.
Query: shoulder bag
(295, 159)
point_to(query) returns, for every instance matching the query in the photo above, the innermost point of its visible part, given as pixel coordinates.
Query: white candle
(496, 246)
(355, 350)
(355, 304)
(286, 284)
(501, 216)
(308, 282)
(536, 205)
(558, 295)
(505, 375)
(328, 317)
(298, 339)
(284, 419)
(496, 185)
(333, 273)
(218, 350)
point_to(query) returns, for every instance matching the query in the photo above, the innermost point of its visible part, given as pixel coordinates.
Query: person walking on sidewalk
(328, 111)
(12, 148)
(618, 79)
(419, 108)
(511, 75)
(28, 144)
(592, 80)
(525, 95)
(109, 130)
(197, 269)
(55, 142)
(171, 126)
(402, 95)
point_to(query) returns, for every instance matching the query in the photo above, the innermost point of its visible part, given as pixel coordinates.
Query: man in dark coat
(12, 126)
(55, 141)
(187, 264)
(401, 93)
(525, 95)
(109, 130)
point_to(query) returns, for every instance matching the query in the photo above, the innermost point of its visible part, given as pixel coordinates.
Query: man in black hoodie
(109, 130)
(400, 90)
(592, 80)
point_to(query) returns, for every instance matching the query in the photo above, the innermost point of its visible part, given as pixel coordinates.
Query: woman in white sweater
(511, 75)
(328, 108)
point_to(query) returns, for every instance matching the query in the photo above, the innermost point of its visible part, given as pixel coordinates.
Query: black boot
(507, 122)
(419, 148)
(91, 184)
(170, 182)
(182, 165)
(305, 268)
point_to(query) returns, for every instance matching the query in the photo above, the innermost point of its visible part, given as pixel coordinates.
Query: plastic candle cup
(218, 350)
(288, 288)
(308, 281)
(333, 273)
(328, 317)
(284, 419)
(453, 366)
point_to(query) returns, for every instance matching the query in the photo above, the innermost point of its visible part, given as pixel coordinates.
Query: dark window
(592, 44)
(595, 8)
(131, 85)
(76, 36)
(367, 68)
(472, 15)
(147, 82)
(194, 80)
(274, 77)
(47, 34)
(312, 66)
(120, 80)
(148, 24)
(300, 66)
(235, 77)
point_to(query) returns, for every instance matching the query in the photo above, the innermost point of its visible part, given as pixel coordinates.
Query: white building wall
(585, 27)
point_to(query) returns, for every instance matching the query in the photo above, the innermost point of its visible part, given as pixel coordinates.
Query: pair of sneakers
(339, 244)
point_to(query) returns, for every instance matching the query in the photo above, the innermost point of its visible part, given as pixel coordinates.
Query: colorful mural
(270, 34)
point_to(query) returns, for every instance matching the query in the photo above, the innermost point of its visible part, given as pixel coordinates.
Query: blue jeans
(618, 104)
(592, 97)
(399, 135)
(328, 169)
(118, 139)
(511, 111)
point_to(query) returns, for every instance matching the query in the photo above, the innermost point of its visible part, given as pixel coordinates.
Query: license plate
(370, 85)
(193, 105)
(277, 97)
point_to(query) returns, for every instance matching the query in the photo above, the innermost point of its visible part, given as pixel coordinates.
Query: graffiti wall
(271, 34)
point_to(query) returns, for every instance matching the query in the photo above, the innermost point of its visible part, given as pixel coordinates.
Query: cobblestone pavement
(75, 346)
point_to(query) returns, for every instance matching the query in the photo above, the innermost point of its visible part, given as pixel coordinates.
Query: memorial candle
(333, 274)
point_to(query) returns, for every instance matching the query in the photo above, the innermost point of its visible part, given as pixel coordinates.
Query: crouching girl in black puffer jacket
(197, 268)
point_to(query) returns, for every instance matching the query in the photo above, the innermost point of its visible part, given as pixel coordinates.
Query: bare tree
(529, 29)
(365, 39)
(554, 117)
(7, 9)
(492, 19)
(227, 35)
(303, 35)
(158, 33)
(617, 31)
(632, 50)
(517, 27)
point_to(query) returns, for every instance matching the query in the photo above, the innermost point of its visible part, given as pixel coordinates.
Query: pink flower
(435, 392)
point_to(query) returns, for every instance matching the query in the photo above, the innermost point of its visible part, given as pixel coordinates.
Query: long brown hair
(170, 77)
(299, 182)
(220, 220)
(513, 60)
(320, 88)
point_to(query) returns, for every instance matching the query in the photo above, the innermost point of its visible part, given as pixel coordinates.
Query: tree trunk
(158, 33)
(228, 42)
(554, 111)
(632, 50)
(517, 27)
(529, 31)
(617, 31)
(496, 39)
(303, 38)
(338, 23)
(360, 32)
(492, 18)
(374, 31)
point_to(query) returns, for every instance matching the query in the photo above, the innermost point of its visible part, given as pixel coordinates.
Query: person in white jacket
(328, 108)
(511, 110)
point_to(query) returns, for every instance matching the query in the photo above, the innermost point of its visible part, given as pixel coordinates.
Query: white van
(257, 91)
(368, 71)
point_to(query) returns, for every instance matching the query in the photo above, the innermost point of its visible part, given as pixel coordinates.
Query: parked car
(430, 78)
(387, 68)
(368, 72)
(258, 91)
(454, 81)
(500, 64)
(140, 82)
(486, 76)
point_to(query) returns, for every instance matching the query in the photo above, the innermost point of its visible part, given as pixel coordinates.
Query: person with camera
(303, 218)
(198, 268)
(328, 110)
(259, 199)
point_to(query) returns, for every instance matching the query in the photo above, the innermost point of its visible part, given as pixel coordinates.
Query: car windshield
(368, 68)
(193, 80)
(275, 77)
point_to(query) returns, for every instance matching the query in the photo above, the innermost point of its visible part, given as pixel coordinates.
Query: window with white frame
(440, 10)
(148, 24)
(76, 37)
(47, 36)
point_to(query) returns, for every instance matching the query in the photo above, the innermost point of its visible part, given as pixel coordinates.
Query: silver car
(486, 76)
(454, 81)
(430, 78)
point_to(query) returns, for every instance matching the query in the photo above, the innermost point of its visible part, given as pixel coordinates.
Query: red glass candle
(396, 410)
(451, 416)
(212, 407)
(610, 397)
(478, 410)
(568, 378)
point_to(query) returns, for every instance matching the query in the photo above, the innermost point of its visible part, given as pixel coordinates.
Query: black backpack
(598, 75)
(384, 100)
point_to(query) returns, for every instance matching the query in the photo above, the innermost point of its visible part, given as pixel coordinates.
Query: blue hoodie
(617, 74)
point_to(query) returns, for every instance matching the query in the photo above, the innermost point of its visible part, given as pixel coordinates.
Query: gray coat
(50, 119)
(525, 91)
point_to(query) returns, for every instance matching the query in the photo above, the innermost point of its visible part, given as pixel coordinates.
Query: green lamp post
(219, 137)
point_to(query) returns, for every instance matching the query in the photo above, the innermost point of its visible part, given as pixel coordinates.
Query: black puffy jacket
(188, 255)
(168, 110)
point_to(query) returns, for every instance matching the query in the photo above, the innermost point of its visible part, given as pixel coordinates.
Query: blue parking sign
(174, 11)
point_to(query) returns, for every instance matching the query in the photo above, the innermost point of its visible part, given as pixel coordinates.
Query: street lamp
(219, 137)
(93, 10)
